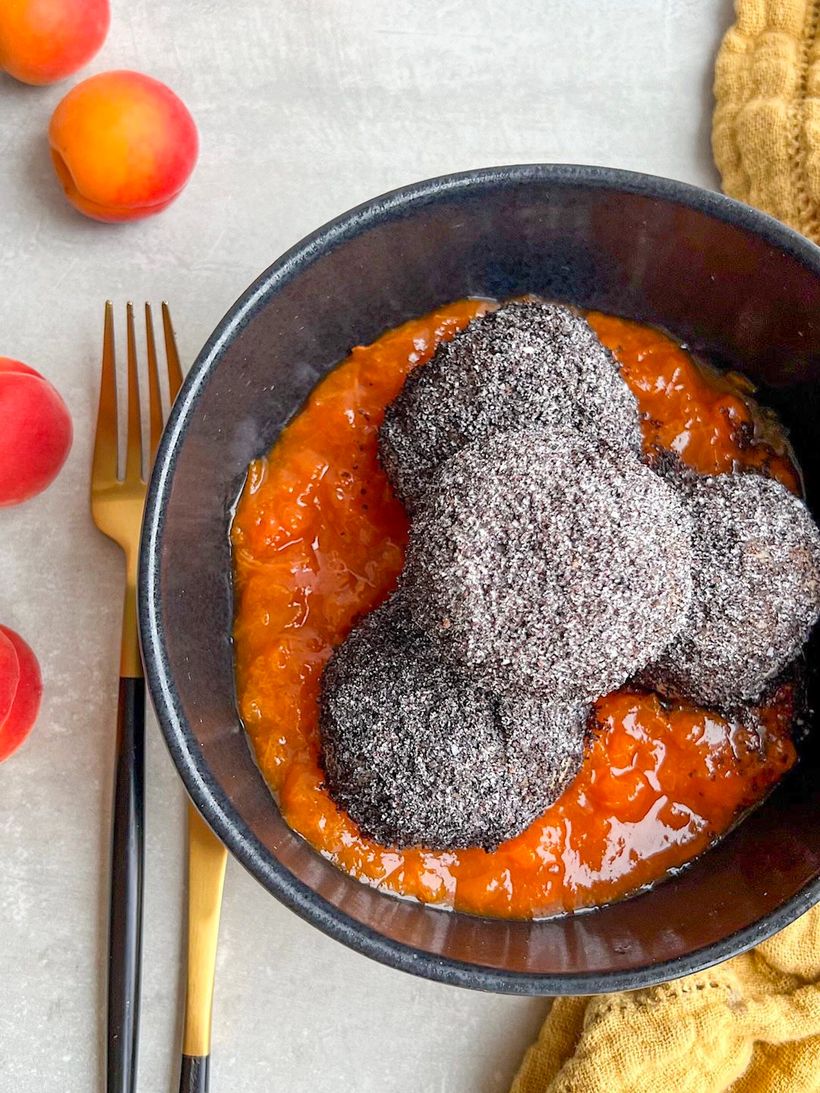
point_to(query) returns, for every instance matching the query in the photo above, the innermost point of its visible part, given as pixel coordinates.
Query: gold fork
(117, 504)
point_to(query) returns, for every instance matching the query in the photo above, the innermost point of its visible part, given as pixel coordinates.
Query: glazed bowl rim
(210, 798)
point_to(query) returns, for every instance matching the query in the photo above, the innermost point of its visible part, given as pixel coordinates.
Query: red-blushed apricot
(42, 41)
(9, 365)
(9, 676)
(123, 146)
(36, 435)
(25, 706)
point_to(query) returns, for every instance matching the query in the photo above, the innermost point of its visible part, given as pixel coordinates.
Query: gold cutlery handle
(206, 876)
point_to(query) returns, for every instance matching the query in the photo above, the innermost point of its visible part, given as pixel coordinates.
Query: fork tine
(154, 397)
(174, 368)
(104, 463)
(133, 439)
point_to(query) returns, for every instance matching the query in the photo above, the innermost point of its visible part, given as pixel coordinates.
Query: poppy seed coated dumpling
(418, 756)
(755, 594)
(528, 365)
(550, 565)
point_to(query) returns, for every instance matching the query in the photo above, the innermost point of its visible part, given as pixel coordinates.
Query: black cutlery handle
(127, 862)
(193, 1077)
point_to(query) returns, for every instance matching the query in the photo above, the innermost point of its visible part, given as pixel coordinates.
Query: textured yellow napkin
(766, 130)
(751, 1025)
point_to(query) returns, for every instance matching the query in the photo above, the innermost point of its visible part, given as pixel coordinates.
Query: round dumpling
(419, 756)
(755, 594)
(545, 564)
(528, 365)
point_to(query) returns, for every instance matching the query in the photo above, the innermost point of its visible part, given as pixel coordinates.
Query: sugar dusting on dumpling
(756, 589)
(530, 365)
(419, 756)
(547, 563)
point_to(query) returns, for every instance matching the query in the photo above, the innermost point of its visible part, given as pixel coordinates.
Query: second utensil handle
(127, 865)
(194, 1074)
(206, 877)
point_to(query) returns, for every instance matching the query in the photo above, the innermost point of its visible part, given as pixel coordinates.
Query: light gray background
(305, 108)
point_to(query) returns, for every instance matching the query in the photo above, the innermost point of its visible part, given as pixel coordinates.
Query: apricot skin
(25, 706)
(43, 41)
(9, 676)
(36, 435)
(123, 146)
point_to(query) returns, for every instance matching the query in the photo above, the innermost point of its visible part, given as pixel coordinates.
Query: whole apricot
(123, 145)
(36, 435)
(42, 41)
(25, 703)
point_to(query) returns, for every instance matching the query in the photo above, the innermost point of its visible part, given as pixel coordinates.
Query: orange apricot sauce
(691, 410)
(319, 541)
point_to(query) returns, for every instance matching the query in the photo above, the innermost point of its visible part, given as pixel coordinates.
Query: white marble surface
(305, 107)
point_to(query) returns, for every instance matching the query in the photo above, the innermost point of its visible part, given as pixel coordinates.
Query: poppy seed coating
(529, 364)
(418, 756)
(756, 589)
(550, 565)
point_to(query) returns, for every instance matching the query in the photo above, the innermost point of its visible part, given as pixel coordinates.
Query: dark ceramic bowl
(731, 282)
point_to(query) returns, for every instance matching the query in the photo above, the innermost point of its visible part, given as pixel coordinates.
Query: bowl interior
(733, 284)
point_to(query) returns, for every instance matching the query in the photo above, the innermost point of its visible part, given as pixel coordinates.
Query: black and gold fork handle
(127, 867)
(127, 860)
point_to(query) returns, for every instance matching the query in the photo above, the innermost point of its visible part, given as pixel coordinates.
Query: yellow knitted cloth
(766, 131)
(751, 1025)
